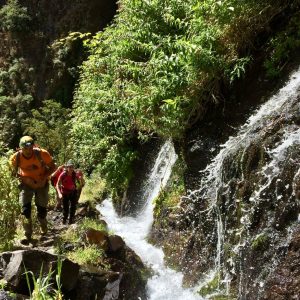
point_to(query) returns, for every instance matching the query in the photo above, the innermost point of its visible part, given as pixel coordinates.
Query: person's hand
(41, 182)
(33, 183)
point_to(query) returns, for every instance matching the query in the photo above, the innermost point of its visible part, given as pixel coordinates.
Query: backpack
(28, 181)
(74, 179)
(37, 153)
(53, 179)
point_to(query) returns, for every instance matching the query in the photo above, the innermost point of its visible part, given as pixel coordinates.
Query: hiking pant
(41, 198)
(69, 206)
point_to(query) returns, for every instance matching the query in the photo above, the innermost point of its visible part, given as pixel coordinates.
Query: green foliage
(118, 175)
(13, 111)
(66, 54)
(261, 242)
(16, 77)
(215, 289)
(154, 70)
(3, 284)
(83, 254)
(62, 48)
(9, 205)
(90, 223)
(283, 46)
(70, 235)
(50, 126)
(43, 286)
(15, 98)
(94, 189)
(14, 17)
(211, 286)
(74, 236)
(89, 255)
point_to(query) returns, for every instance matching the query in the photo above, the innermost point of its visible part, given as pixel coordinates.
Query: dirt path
(48, 241)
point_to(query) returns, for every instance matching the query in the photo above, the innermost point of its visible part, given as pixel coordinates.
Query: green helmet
(26, 141)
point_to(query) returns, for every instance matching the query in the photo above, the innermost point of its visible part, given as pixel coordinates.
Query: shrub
(14, 17)
(282, 47)
(13, 111)
(154, 71)
(9, 204)
(49, 125)
(43, 286)
(89, 255)
(94, 189)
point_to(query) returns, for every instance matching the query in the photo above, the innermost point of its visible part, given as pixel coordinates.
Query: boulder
(86, 210)
(5, 296)
(96, 237)
(16, 264)
(115, 243)
(98, 285)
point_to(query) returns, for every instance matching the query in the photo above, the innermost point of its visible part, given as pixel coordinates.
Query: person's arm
(58, 186)
(12, 164)
(50, 166)
(56, 171)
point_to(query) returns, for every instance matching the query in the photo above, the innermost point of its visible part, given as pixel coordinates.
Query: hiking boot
(71, 221)
(64, 221)
(25, 241)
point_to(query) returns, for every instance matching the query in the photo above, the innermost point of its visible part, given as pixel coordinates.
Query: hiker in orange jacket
(33, 167)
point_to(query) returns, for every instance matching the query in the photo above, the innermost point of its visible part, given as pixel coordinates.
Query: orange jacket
(32, 167)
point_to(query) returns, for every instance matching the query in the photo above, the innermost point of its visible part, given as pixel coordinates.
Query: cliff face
(49, 21)
(38, 60)
(237, 224)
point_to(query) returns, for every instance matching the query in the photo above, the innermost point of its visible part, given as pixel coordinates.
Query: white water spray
(214, 183)
(165, 284)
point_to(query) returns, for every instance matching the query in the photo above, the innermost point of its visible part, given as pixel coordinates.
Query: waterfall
(165, 284)
(215, 183)
(212, 180)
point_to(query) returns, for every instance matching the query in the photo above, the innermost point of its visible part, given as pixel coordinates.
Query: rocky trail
(117, 273)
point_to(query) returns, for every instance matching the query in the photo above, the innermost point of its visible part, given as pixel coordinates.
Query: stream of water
(165, 284)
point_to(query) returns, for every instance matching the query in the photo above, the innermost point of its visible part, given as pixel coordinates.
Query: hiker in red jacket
(67, 187)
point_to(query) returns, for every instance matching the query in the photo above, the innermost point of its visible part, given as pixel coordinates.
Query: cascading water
(165, 284)
(241, 199)
(216, 182)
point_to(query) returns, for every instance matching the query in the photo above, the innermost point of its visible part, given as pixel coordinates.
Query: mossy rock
(261, 242)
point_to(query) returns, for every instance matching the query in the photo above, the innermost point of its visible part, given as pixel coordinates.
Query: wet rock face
(55, 18)
(132, 200)
(240, 218)
(285, 280)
